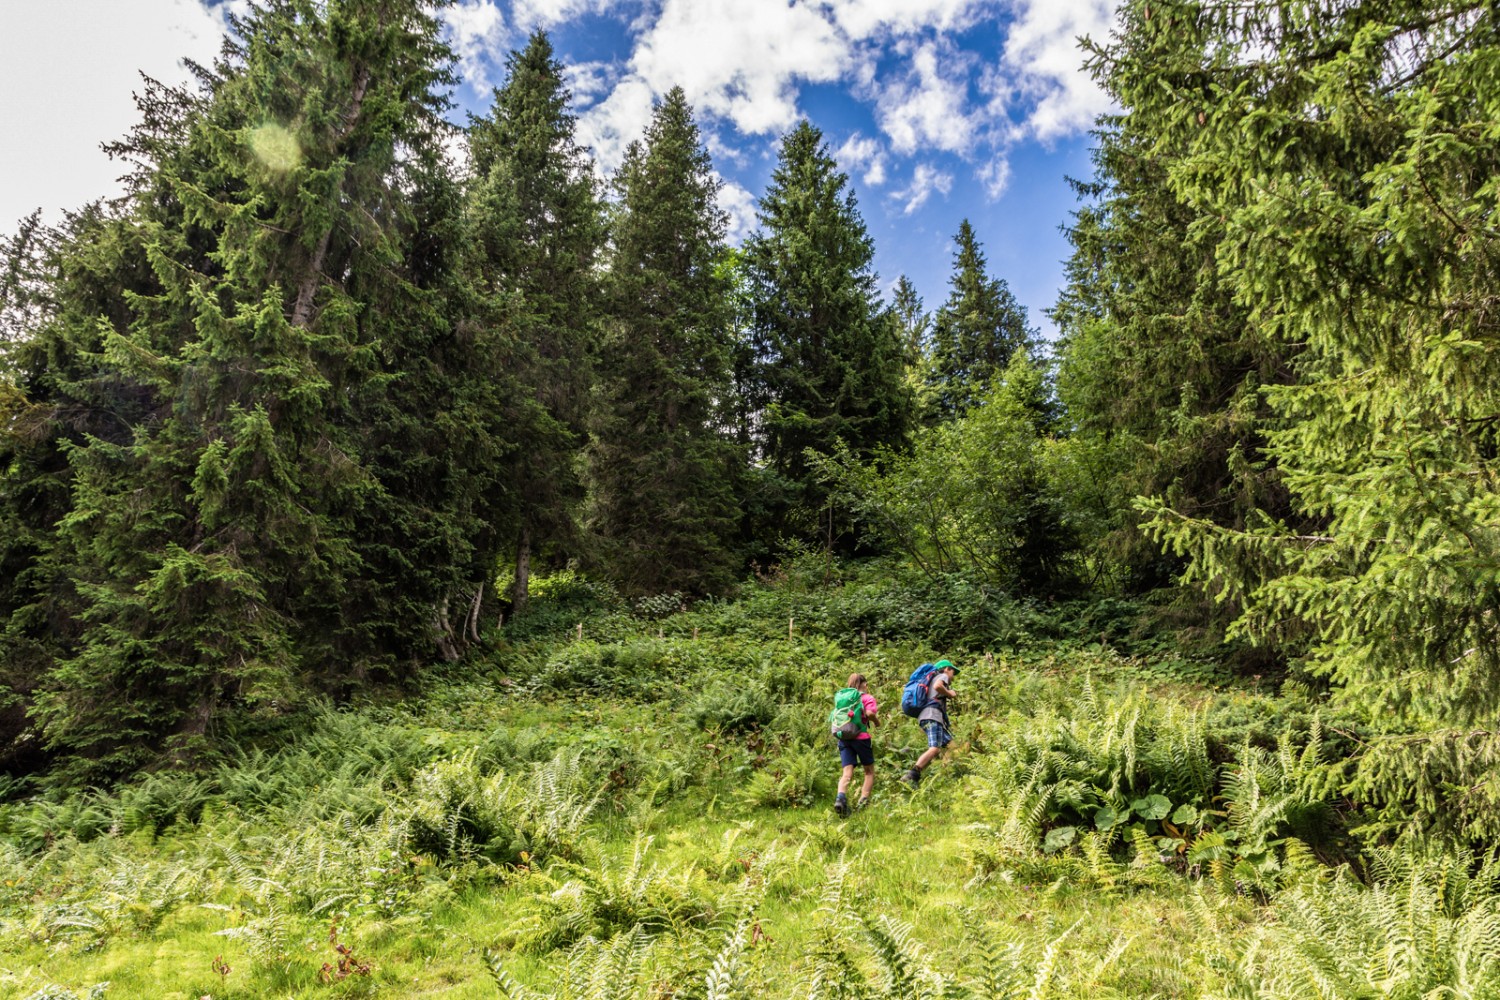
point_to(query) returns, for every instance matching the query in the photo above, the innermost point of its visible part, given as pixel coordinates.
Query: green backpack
(847, 720)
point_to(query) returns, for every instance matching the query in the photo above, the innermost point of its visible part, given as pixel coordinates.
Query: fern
(1425, 928)
(568, 901)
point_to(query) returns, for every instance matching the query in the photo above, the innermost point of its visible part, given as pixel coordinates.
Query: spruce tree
(54, 396)
(1353, 173)
(974, 334)
(217, 539)
(912, 321)
(535, 233)
(661, 469)
(1160, 369)
(827, 359)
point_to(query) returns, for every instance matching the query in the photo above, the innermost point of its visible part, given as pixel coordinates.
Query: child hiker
(934, 719)
(853, 735)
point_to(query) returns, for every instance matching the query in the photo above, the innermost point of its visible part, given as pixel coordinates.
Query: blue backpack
(914, 696)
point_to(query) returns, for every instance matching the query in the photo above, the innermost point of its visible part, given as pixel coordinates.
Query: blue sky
(938, 109)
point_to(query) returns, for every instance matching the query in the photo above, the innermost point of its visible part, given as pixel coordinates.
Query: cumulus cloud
(929, 107)
(745, 61)
(610, 126)
(862, 19)
(532, 14)
(995, 176)
(476, 30)
(589, 80)
(67, 70)
(925, 179)
(1043, 64)
(739, 203)
(862, 155)
(744, 64)
(741, 60)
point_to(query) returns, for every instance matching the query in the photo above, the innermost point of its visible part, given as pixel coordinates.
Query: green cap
(945, 665)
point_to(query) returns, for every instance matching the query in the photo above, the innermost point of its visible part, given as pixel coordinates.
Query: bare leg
(847, 777)
(869, 782)
(927, 757)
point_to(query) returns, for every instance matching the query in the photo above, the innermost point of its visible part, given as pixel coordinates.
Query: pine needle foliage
(535, 232)
(661, 467)
(1353, 170)
(826, 363)
(258, 298)
(974, 335)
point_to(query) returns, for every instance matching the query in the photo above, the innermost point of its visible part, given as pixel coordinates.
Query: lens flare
(276, 147)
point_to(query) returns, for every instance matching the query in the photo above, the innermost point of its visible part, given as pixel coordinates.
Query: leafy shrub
(732, 706)
(655, 606)
(1105, 767)
(801, 725)
(457, 810)
(1423, 928)
(42, 820)
(1131, 778)
(640, 669)
(568, 901)
(790, 780)
(511, 746)
(560, 601)
(885, 603)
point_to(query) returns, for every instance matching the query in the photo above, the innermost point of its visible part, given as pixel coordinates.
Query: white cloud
(928, 109)
(476, 30)
(924, 180)
(995, 176)
(67, 70)
(862, 154)
(861, 19)
(532, 14)
(589, 80)
(740, 59)
(1043, 62)
(617, 121)
(740, 204)
(745, 62)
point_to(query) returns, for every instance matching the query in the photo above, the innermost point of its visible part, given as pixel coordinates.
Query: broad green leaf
(1058, 838)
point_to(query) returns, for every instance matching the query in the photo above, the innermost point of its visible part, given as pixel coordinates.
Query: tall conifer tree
(1354, 175)
(913, 322)
(536, 232)
(827, 358)
(661, 466)
(1158, 364)
(217, 538)
(974, 334)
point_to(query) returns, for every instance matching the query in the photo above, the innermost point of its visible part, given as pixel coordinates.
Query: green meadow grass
(558, 827)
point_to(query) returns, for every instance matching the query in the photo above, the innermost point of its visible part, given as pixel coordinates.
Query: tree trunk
(308, 287)
(444, 633)
(522, 589)
(472, 629)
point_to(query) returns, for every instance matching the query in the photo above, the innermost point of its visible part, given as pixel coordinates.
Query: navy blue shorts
(853, 752)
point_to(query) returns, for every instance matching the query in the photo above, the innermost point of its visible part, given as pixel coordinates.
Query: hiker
(855, 745)
(934, 718)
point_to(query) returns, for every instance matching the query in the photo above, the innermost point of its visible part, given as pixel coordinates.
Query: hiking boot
(841, 806)
(862, 804)
(911, 777)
